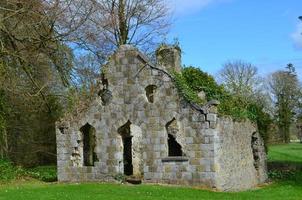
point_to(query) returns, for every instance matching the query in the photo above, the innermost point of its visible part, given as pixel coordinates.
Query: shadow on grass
(285, 165)
(293, 178)
(286, 172)
(296, 148)
(287, 157)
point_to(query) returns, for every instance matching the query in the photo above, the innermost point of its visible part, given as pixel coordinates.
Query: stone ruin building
(139, 126)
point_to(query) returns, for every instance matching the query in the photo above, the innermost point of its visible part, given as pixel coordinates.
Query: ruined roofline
(144, 59)
(146, 63)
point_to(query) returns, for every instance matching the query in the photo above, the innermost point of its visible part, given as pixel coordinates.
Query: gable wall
(127, 77)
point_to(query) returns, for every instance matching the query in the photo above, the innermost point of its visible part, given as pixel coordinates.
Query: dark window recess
(150, 91)
(104, 81)
(89, 144)
(255, 150)
(124, 131)
(174, 146)
(106, 96)
(105, 93)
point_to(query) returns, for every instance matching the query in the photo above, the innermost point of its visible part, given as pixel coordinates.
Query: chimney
(169, 57)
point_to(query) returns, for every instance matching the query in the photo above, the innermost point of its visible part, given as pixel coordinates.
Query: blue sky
(263, 32)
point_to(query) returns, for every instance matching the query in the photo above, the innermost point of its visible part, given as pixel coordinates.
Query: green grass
(288, 187)
(287, 153)
(32, 191)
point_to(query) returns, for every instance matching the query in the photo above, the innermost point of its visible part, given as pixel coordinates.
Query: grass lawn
(32, 191)
(288, 153)
(290, 188)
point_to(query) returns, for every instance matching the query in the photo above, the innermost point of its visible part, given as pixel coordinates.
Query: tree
(248, 94)
(136, 22)
(242, 80)
(34, 66)
(3, 132)
(239, 77)
(100, 26)
(43, 44)
(111, 23)
(107, 25)
(285, 90)
(299, 128)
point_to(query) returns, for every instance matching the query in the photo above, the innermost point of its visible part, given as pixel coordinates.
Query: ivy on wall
(192, 80)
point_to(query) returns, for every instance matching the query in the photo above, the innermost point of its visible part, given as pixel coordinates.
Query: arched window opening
(174, 148)
(89, 145)
(150, 91)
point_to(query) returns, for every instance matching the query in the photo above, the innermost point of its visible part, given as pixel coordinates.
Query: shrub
(8, 171)
(120, 177)
(192, 80)
(43, 173)
(202, 81)
(282, 175)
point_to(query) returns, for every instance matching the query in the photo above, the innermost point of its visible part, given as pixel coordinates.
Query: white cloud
(181, 7)
(297, 36)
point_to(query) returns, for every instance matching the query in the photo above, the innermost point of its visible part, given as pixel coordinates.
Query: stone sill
(175, 159)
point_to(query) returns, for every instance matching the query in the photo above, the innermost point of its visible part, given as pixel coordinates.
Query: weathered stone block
(198, 117)
(213, 125)
(200, 168)
(189, 140)
(195, 161)
(205, 125)
(198, 154)
(211, 117)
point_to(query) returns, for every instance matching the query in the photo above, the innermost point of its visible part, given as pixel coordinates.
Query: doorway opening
(125, 132)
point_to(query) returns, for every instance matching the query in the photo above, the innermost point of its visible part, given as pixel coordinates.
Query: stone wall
(150, 115)
(241, 158)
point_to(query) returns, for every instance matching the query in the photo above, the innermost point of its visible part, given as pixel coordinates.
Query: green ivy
(185, 90)
(192, 80)
(202, 81)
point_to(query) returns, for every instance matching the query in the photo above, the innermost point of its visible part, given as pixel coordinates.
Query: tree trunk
(123, 29)
(4, 145)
